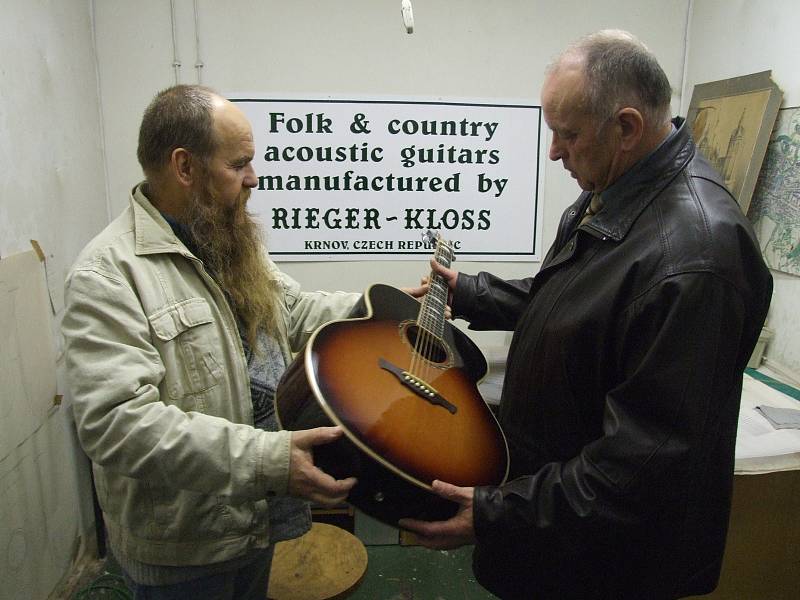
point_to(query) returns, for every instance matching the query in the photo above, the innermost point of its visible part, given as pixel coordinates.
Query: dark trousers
(249, 582)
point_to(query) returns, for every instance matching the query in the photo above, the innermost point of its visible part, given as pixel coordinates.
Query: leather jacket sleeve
(653, 423)
(489, 302)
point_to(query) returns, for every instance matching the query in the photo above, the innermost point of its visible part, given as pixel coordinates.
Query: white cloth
(760, 448)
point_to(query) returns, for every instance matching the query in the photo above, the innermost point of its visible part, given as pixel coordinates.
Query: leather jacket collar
(624, 201)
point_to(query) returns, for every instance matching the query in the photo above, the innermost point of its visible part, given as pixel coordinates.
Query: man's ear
(631, 126)
(182, 167)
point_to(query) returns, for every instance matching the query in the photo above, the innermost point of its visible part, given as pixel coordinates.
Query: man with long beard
(177, 329)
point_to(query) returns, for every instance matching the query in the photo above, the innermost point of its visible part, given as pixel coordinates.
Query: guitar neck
(432, 313)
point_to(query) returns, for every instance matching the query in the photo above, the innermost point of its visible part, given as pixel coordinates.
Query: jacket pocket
(186, 516)
(187, 336)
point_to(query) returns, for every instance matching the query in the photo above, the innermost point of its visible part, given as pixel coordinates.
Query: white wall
(52, 189)
(737, 37)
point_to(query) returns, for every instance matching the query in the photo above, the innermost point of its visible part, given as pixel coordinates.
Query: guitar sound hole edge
(432, 349)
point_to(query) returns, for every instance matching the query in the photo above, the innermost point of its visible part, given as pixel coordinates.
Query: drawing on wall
(731, 121)
(775, 208)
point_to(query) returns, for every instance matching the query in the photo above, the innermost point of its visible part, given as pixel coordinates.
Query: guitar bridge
(418, 386)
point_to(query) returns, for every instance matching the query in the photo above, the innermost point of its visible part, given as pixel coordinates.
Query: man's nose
(555, 151)
(250, 180)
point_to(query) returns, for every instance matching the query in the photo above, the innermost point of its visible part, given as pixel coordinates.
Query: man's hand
(450, 277)
(453, 533)
(419, 291)
(308, 481)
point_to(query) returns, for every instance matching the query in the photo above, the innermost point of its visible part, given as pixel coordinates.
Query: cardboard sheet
(39, 513)
(27, 358)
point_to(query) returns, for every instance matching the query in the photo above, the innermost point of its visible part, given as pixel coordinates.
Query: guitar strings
(425, 342)
(428, 340)
(422, 343)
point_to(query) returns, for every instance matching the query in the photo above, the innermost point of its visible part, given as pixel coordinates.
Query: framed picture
(731, 121)
(775, 209)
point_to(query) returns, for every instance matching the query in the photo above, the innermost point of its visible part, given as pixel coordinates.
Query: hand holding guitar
(455, 532)
(449, 276)
(308, 481)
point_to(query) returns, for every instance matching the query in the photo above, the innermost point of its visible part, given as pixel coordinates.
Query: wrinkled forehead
(564, 92)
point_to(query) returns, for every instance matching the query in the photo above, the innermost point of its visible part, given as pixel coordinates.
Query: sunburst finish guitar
(402, 383)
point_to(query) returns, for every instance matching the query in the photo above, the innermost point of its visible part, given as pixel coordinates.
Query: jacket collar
(625, 200)
(153, 234)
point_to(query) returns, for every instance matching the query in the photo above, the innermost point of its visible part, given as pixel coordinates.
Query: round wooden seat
(327, 562)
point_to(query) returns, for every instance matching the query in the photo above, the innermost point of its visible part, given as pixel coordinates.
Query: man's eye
(565, 135)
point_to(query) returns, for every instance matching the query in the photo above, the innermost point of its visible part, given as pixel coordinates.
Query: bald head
(617, 71)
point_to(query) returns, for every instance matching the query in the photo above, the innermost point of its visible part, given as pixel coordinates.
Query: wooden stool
(327, 562)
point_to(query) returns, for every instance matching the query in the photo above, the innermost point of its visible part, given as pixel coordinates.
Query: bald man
(624, 375)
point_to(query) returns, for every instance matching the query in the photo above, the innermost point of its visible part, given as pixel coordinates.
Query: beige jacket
(161, 394)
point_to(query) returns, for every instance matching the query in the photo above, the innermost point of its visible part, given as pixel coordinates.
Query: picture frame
(731, 122)
(775, 207)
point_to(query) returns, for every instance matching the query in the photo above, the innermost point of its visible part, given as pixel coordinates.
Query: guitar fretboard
(432, 314)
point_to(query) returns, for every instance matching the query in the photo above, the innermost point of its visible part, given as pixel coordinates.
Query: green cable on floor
(107, 585)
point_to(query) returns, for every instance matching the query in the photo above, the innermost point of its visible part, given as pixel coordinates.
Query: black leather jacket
(622, 390)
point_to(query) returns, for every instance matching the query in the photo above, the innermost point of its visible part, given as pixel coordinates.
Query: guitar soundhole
(426, 345)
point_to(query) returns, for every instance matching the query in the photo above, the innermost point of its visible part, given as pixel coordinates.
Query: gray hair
(178, 117)
(620, 71)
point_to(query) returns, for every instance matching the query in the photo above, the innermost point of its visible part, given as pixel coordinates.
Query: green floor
(411, 572)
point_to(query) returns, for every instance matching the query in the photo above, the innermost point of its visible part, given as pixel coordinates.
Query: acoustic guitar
(401, 382)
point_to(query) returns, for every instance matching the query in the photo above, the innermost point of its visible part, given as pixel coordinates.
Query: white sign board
(365, 179)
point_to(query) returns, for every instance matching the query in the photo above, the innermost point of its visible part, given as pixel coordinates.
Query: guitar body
(401, 431)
